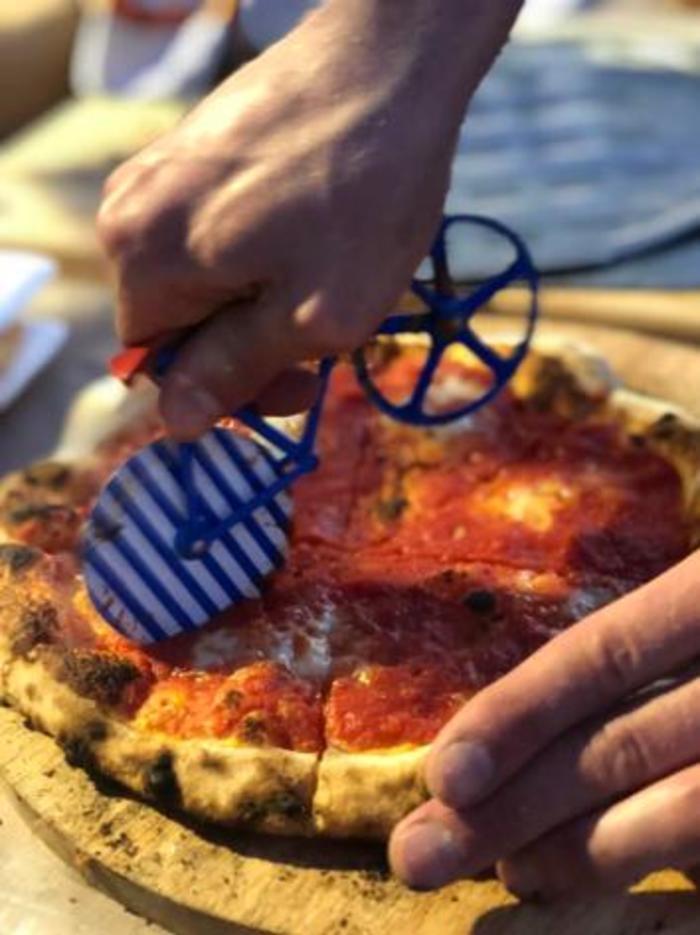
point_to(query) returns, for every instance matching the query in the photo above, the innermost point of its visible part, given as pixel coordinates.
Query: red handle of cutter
(150, 359)
(128, 363)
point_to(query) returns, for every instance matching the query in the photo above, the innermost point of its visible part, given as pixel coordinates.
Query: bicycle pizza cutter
(182, 531)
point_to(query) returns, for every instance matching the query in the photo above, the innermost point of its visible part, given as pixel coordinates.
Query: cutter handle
(154, 361)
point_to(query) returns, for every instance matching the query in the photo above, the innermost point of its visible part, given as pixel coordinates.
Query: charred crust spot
(100, 676)
(78, 751)
(38, 625)
(40, 512)
(666, 425)
(96, 731)
(670, 430)
(233, 699)
(212, 763)
(253, 729)
(282, 804)
(31, 691)
(17, 557)
(391, 508)
(480, 601)
(556, 389)
(51, 474)
(79, 748)
(161, 782)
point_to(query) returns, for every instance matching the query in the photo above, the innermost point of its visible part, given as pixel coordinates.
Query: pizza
(423, 564)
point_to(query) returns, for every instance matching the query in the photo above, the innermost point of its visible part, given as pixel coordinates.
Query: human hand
(288, 211)
(579, 770)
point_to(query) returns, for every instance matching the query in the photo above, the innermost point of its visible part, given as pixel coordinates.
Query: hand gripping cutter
(180, 532)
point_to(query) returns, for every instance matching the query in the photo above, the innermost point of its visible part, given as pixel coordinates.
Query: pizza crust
(337, 794)
(366, 794)
(671, 432)
(270, 790)
(102, 409)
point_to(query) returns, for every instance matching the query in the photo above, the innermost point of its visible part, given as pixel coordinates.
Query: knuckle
(140, 205)
(687, 792)
(116, 178)
(620, 757)
(112, 228)
(615, 659)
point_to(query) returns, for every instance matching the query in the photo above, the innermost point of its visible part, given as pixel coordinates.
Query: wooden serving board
(195, 880)
(667, 313)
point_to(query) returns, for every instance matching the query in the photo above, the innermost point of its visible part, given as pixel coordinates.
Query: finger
(224, 365)
(589, 766)
(639, 638)
(294, 390)
(154, 278)
(657, 828)
(166, 260)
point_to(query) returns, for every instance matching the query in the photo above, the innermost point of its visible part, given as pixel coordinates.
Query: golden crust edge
(674, 433)
(366, 794)
(266, 789)
(336, 795)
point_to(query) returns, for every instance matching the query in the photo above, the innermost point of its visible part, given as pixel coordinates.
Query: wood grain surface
(668, 313)
(198, 881)
(194, 880)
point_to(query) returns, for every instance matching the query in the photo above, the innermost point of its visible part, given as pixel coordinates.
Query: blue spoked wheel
(446, 321)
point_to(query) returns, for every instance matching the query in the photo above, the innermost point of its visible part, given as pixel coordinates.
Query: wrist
(443, 46)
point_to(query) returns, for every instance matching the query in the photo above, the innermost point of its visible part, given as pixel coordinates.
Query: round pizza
(423, 564)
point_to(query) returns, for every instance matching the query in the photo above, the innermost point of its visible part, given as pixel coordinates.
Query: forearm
(441, 48)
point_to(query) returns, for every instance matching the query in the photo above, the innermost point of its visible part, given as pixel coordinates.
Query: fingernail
(427, 855)
(188, 408)
(460, 773)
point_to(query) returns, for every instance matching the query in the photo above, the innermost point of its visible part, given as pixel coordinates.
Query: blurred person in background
(284, 217)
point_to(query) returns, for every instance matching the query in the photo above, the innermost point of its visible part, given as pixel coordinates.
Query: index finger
(622, 647)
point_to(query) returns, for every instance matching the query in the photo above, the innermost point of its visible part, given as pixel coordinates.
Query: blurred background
(585, 138)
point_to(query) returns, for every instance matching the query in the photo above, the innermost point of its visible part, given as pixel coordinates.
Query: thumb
(226, 363)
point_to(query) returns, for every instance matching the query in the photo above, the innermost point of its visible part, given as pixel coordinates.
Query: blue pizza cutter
(181, 531)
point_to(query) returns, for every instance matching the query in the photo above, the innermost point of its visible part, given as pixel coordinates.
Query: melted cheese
(213, 647)
(532, 503)
(314, 661)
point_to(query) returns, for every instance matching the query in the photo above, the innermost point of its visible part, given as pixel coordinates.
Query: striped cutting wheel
(180, 532)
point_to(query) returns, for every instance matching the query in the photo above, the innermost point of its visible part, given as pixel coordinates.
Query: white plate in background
(21, 275)
(38, 345)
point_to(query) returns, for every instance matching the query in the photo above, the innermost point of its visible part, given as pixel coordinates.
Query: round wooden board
(197, 880)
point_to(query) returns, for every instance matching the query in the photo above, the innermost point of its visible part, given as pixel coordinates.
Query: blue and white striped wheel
(138, 576)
